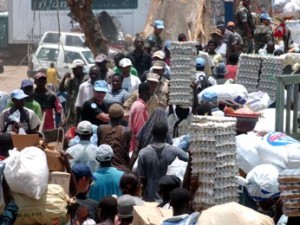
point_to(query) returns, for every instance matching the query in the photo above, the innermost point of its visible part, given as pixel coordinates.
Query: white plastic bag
(279, 149)
(27, 172)
(247, 156)
(258, 101)
(177, 168)
(226, 92)
(261, 182)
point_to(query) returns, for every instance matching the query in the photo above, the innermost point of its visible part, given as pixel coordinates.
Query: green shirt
(133, 71)
(34, 106)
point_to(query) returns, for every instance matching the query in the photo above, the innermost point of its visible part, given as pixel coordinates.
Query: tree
(82, 13)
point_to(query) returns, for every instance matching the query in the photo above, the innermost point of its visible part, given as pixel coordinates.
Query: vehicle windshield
(48, 54)
(88, 55)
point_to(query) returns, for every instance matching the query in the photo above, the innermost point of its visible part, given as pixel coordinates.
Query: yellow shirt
(52, 76)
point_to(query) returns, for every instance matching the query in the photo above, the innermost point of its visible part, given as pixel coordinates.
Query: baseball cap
(125, 62)
(18, 94)
(84, 127)
(220, 69)
(217, 32)
(125, 205)
(159, 54)
(220, 24)
(81, 170)
(153, 77)
(209, 96)
(200, 62)
(100, 58)
(159, 24)
(39, 75)
(26, 83)
(115, 111)
(77, 63)
(101, 86)
(159, 65)
(265, 16)
(104, 153)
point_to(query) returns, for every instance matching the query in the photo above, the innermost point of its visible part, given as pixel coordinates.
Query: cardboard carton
(150, 215)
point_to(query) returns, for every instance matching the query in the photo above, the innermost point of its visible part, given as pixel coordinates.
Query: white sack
(27, 172)
(280, 150)
(246, 155)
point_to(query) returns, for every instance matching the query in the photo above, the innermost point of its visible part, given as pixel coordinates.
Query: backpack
(202, 83)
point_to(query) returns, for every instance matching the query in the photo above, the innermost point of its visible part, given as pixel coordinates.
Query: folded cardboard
(150, 215)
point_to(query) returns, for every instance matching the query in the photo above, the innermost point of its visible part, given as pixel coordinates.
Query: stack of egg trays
(182, 72)
(271, 67)
(214, 160)
(248, 71)
(289, 186)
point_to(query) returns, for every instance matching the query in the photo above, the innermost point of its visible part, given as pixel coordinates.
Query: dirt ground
(12, 77)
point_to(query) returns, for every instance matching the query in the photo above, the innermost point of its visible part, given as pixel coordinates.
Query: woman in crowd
(117, 94)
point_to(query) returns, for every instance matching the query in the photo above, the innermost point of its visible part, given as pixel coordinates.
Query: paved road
(12, 77)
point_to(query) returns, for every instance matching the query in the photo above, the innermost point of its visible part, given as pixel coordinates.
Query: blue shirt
(106, 183)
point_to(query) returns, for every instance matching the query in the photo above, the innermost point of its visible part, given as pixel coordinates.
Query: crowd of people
(123, 120)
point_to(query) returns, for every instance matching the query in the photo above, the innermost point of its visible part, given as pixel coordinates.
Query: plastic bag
(27, 172)
(247, 156)
(50, 209)
(279, 149)
(177, 168)
(261, 182)
(258, 101)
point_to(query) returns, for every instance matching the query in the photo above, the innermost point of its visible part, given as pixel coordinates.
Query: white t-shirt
(222, 49)
(131, 83)
(85, 93)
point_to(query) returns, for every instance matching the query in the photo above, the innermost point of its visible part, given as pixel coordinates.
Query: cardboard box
(150, 215)
(21, 141)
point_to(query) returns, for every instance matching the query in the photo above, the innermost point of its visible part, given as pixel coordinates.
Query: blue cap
(18, 94)
(81, 170)
(101, 86)
(159, 24)
(26, 83)
(200, 62)
(265, 16)
(209, 97)
(167, 44)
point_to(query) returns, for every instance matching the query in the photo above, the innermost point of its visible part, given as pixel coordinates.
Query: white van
(61, 56)
(63, 38)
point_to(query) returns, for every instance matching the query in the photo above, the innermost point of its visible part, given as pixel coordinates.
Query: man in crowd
(94, 109)
(117, 136)
(105, 73)
(125, 209)
(84, 152)
(107, 177)
(27, 87)
(263, 33)
(84, 178)
(214, 56)
(16, 117)
(139, 112)
(70, 84)
(47, 100)
(245, 25)
(117, 58)
(85, 91)
(153, 160)
(140, 59)
(154, 42)
(221, 47)
(130, 82)
(228, 37)
(202, 80)
(237, 36)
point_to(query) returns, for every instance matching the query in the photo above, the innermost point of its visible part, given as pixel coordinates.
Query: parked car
(61, 56)
(64, 38)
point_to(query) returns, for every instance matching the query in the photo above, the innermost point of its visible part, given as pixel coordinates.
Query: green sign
(97, 4)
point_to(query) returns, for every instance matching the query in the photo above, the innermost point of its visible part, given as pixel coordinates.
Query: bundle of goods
(289, 185)
(246, 119)
(214, 160)
(258, 73)
(183, 72)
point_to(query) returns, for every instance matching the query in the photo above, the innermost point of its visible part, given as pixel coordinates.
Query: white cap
(159, 54)
(77, 62)
(125, 62)
(84, 127)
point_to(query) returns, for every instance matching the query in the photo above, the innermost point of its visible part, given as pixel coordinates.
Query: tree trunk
(82, 13)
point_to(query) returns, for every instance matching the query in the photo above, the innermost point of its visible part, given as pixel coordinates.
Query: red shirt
(232, 69)
(137, 119)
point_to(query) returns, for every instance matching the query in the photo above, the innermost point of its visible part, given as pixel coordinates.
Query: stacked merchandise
(258, 73)
(183, 72)
(214, 160)
(248, 71)
(271, 67)
(289, 185)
